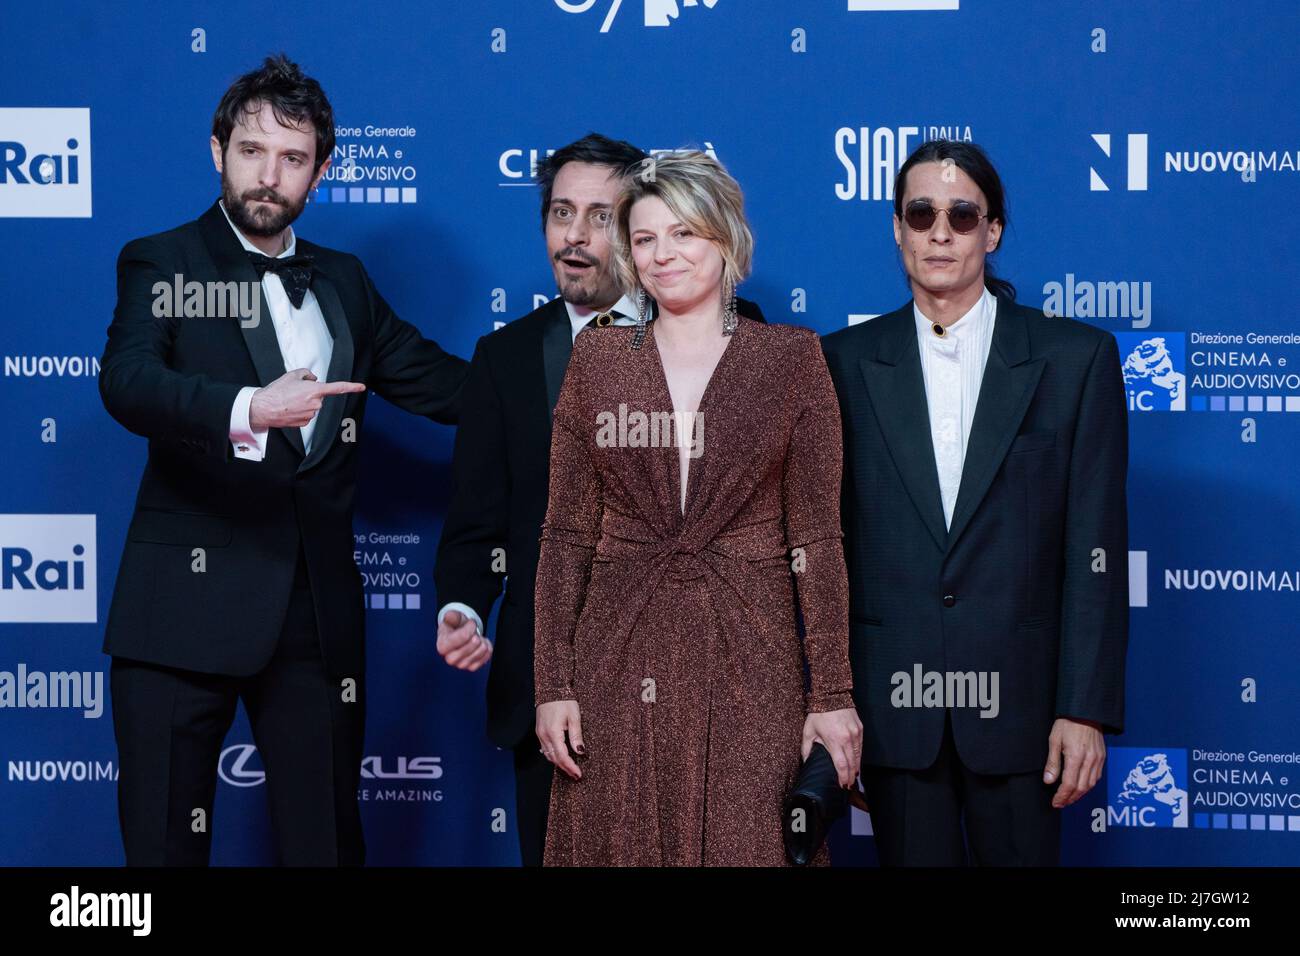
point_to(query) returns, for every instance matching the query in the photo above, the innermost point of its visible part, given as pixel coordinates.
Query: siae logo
(1137, 163)
(869, 171)
(1153, 371)
(1148, 795)
(44, 163)
(658, 13)
(47, 569)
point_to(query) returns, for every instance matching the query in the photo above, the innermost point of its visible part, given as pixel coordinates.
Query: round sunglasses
(963, 216)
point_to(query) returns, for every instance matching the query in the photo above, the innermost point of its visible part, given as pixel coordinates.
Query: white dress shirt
(579, 317)
(305, 342)
(952, 365)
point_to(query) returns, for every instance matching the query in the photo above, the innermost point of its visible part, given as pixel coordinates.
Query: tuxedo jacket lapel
(1010, 378)
(557, 342)
(897, 391)
(340, 369)
(231, 264)
(557, 346)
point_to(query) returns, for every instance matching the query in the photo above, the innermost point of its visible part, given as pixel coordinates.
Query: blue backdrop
(1150, 153)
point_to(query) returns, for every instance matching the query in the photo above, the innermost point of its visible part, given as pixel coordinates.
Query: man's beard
(579, 293)
(594, 290)
(263, 221)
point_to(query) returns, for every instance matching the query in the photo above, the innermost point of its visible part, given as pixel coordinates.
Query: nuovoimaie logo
(47, 569)
(45, 162)
(1154, 370)
(1147, 788)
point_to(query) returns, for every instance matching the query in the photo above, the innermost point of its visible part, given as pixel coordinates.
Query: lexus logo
(234, 769)
(237, 767)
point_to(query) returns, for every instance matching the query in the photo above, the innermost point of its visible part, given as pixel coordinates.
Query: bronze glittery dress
(677, 634)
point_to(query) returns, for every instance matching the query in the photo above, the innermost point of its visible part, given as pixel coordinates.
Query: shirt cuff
(465, 609)
(246, 443)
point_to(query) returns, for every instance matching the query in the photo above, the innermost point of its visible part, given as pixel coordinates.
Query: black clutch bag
(816, 801)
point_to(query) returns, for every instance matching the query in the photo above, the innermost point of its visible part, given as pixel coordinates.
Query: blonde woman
(695, 463)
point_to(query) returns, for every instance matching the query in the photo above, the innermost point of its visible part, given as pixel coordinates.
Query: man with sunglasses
(986, 538)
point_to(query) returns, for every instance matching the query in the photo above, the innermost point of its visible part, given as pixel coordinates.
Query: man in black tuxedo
(501, 464)
(237, 580)
(986, 539)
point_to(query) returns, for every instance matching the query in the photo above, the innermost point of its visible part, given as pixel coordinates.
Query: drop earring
(729, 320)
(641, 310)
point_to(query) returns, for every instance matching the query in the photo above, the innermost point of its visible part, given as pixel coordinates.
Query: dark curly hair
(295, 98)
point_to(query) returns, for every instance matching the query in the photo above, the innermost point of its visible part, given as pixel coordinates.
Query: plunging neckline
(684, 509)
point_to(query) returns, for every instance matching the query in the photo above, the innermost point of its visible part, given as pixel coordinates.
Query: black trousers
(170, 725)
(917, 815)
(532, 798)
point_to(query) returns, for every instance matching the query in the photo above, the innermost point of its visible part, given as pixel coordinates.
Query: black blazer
(174, 381)
(1011, 587)
(500, 480)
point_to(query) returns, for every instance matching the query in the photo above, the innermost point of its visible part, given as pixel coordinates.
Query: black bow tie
(294, 273)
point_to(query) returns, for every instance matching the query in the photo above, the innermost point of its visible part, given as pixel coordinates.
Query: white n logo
(1137, 579)
(1137, 163)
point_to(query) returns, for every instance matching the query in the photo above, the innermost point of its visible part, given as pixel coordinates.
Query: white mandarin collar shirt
(952, 364)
